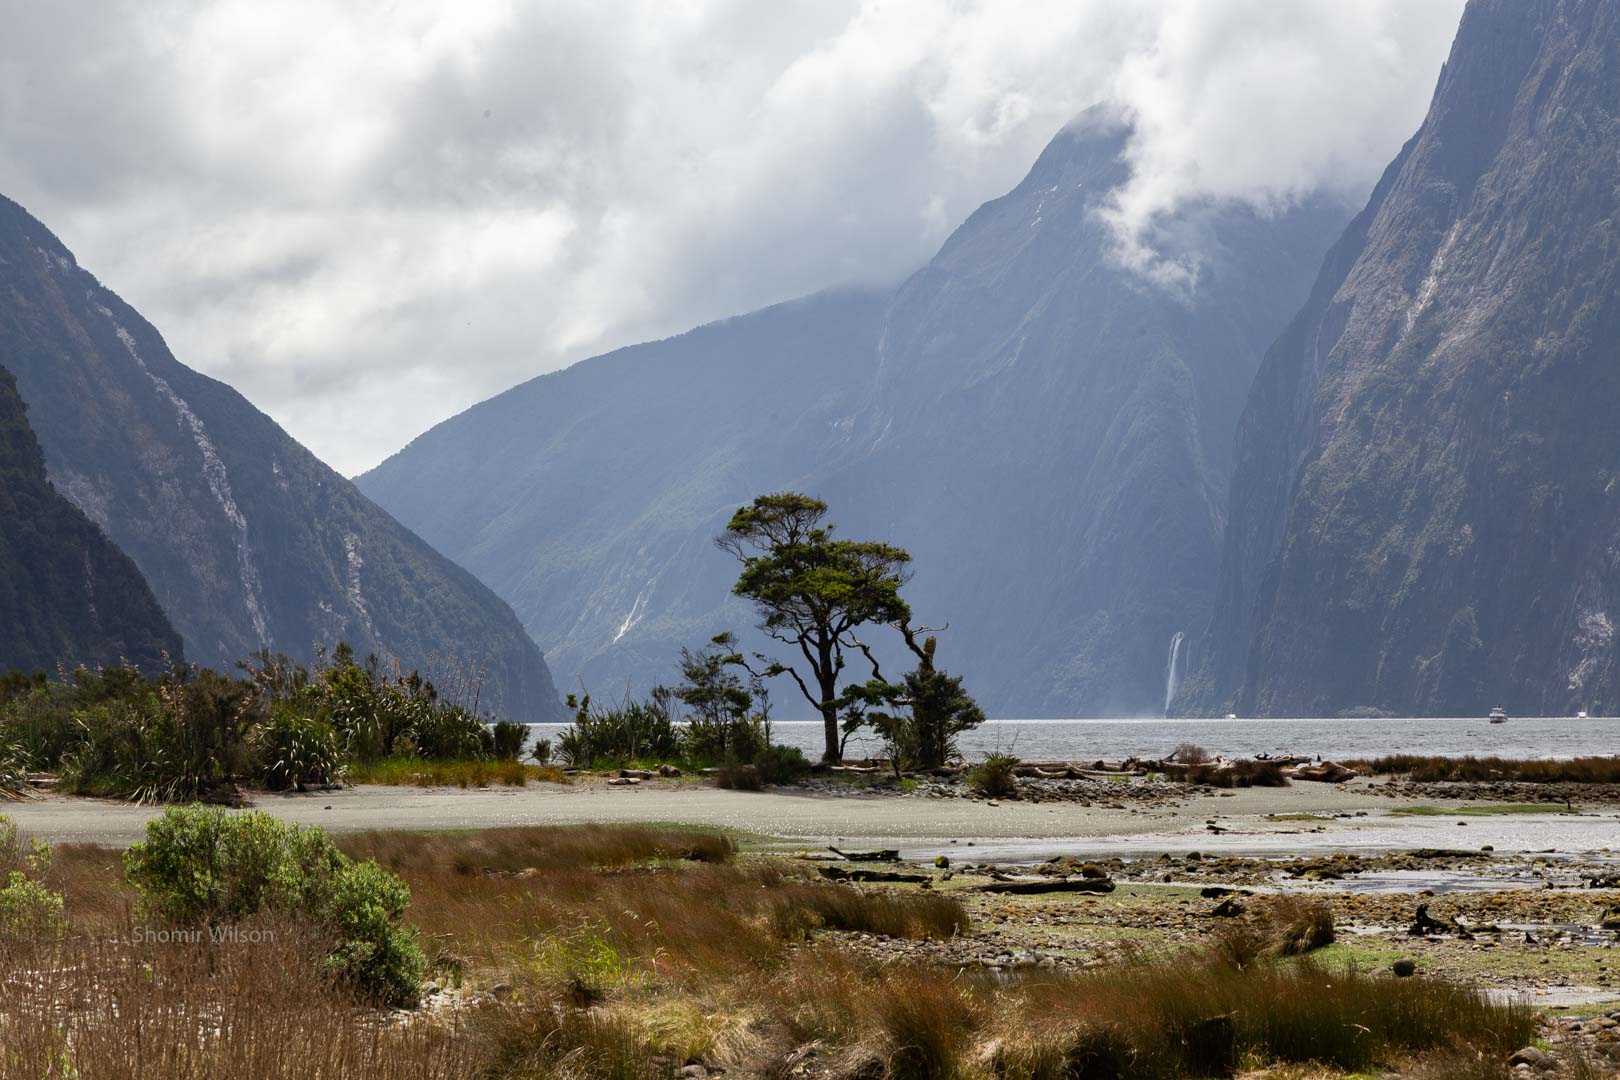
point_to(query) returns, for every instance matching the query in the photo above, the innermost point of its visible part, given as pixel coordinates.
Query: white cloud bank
(369, 215)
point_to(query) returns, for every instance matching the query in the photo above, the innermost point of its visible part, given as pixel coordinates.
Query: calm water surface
(1063, 740)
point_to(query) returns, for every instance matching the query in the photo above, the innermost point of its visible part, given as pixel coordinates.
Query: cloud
(369, 215)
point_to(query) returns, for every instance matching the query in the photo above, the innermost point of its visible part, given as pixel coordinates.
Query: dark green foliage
(292, 750)
(508, 739)
(924, 715)
(377, 715)
(68, 596)
(777, 764)
(210, 868)
(719, 727)
(630, 731)
(181, 738)
(812, 592)
(193, 734)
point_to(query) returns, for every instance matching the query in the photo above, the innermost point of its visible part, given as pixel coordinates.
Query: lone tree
(812, 591)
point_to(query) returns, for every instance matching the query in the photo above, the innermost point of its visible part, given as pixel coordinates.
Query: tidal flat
(867, 928)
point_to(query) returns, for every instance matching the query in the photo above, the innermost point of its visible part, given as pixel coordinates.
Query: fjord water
(1086, 740)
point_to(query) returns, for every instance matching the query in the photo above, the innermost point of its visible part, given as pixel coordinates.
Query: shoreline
(1254, 821)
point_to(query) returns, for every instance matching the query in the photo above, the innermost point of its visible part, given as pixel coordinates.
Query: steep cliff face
(68, 596)
(247, 539)
(1051, 432)
(1426, 507)
(1044, 429)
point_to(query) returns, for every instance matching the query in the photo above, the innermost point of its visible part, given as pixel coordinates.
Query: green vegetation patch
(1494, 810)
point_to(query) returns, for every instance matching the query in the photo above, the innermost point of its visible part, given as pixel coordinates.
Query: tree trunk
(829, 720)
(827, 683)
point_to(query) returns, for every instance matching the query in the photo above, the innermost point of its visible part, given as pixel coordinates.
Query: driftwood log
(1037, 887)
(835, 873)
(884, 855)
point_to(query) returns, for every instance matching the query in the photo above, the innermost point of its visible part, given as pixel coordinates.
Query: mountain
(1426, 505)
(588, 497)
(247, 539)
(1045, 429)
(1050, 431)
(68, 596)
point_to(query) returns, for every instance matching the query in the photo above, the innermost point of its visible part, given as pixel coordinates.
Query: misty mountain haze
(1046, 430)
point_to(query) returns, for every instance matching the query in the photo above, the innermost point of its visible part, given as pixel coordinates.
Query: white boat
(1498, 716)
(1581, 715)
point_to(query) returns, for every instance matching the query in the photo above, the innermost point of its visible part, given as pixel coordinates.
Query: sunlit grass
(1492, 810)
(414, 772)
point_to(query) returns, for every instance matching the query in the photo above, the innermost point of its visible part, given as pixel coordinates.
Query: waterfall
(1170, 682)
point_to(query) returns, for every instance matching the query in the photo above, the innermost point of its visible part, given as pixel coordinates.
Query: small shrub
(297, 752)
(375, 955)
(29, 912)
(735, 777)
(781, 764)
(205, 867)
(541, 752)
(1236, 774)
(1189, 754)
(994, 775)
(508, 738)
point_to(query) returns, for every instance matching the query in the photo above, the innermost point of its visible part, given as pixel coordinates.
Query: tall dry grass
(122, 1008)
(624, 956)
(1583, 770)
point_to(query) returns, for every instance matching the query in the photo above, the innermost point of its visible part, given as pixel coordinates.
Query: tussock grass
(1583, 770)
(801, 908)
(116, 1008)
(542, 847)
(1177, 1019)
(625, 957)
(415, 772)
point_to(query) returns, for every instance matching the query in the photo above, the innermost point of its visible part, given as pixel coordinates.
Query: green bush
(994, 775)
(508, 738)
(29, 912)
(375, 954)
(201, 866)
(633, 731)
(13, 766)
(295, 751)
(780, 764)
(183, 738)
(922, 734)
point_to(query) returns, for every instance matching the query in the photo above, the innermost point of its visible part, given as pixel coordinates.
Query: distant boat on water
(1581, 715)
(1498, 716)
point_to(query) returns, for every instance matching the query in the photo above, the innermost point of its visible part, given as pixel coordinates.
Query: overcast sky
(367, 216)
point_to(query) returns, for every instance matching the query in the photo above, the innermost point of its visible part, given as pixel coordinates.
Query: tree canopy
(813, 591)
